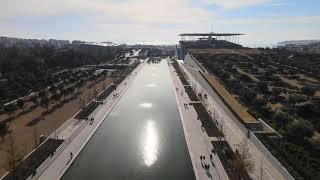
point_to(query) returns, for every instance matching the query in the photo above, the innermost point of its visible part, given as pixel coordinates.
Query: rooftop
(210, 34)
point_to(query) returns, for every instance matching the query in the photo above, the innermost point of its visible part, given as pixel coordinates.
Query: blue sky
(264, 22)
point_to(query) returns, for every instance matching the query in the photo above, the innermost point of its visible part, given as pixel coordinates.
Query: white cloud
(134, 19)
(233, 4)
(274, 20)
(143, 11)
(147, 20)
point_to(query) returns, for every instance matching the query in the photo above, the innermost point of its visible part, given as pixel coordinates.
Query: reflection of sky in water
(151, 85)
(115, 113)
(154, 75)
(145, 105)
(142, 137)
(150, 144)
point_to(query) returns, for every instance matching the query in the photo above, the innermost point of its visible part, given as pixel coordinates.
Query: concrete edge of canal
(184, 126)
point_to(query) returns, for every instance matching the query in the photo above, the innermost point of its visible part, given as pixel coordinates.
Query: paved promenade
(77, 133)
(197, 140)
(264, 168)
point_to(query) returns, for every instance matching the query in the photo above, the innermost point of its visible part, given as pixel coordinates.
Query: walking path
(235, 135)
(197, 140)
(77, 133)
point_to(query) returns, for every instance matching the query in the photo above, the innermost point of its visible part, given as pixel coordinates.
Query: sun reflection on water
(150, 143)
(151, 85)
(145, 105)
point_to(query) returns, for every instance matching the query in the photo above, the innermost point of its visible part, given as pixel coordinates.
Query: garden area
(207, 121)
(299, 163)
(87, 110)
(179, 72)
(192, 95)
(280, 87)
(29, 165)
(231, 161)
(102, 96)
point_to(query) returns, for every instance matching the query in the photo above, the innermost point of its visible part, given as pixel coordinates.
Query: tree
(261, 170)
(225, 75)
(20, 103)
(34, 99)
(263, 86)
(78, 85)
(42, 94)
(95, 92)
(259, 101)
(307, 110)
(276, 91)
(56, 96)
(248, 95)
(299, 129)
(10, 108)
(293, 99)
(245, 160)
(245, 78)
(60, 87)
(71, 90)
(14, 157)
(280, 118)
(53, 89)
(65, 93)
(35, 136)
(308, 90)
(45, 102)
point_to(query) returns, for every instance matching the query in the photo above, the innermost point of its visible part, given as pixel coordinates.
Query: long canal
(142, 137)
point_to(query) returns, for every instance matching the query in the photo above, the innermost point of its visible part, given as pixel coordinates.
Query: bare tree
(261, 170)
(95, 92)
(35, 136)
(10, 109)
(245, 157)
(14, 156)
(103, 86)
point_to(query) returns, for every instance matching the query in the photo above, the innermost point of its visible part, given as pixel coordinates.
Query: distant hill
(106, 43)
(299, 42)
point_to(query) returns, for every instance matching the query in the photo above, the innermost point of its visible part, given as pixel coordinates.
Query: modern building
(207, 40)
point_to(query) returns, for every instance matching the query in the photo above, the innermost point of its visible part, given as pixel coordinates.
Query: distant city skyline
(265, 22)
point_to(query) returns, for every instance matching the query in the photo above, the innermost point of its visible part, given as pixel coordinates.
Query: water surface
(142, 138)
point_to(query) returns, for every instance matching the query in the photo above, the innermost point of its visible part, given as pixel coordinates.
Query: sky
(264, 22)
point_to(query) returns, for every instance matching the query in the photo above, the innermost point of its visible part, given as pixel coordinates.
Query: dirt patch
(233, 104)
(291, 82)
(256, 80)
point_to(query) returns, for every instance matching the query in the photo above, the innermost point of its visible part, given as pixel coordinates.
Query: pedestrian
(71, 155)
(210, 157)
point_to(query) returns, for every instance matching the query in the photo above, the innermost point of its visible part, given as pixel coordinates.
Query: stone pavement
(77, 133)
(197, 141)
